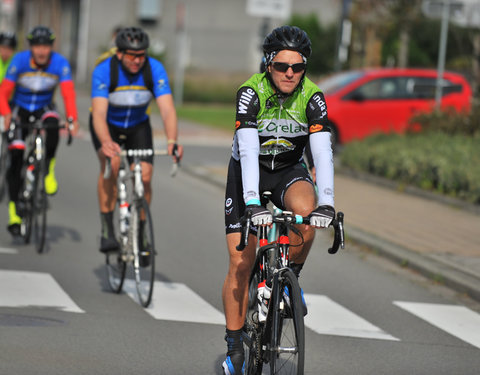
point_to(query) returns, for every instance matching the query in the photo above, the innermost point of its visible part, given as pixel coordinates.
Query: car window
(335, 82)
(424, 88)
(378, 89)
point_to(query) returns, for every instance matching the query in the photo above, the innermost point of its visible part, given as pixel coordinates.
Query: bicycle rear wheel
(287, 343)
(39, 208)
(143, 246)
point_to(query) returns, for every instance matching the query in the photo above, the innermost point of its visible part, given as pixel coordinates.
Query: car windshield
(335, 82)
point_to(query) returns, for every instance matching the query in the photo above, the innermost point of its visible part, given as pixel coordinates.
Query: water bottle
(124, 217)
(263, 295)
(29, 178)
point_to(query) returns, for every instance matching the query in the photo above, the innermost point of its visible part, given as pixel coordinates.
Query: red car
(364, 102)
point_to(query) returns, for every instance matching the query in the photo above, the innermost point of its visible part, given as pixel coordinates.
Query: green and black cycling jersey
(272, 131)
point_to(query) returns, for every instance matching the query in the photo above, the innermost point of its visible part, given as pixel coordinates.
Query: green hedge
(433, 160)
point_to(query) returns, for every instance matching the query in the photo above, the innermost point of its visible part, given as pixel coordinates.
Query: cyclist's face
(41, 53)
(133, 60)
(5, 53)
(287, 81)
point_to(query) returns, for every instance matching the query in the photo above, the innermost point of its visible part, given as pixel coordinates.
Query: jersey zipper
(275, 152)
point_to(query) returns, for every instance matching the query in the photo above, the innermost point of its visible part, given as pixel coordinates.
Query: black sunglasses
(283, 67)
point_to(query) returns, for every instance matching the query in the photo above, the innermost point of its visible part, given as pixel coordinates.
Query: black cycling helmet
(41, 35)
(288, 37)
(133, 38)
(8, 38)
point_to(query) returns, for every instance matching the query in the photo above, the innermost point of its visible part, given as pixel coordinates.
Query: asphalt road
(57, 315)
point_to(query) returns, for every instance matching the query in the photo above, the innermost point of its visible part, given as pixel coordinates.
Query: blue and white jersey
(34, 86)
(128, 103)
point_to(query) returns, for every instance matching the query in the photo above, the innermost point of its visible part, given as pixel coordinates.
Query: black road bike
(276, 342)
(33, 200)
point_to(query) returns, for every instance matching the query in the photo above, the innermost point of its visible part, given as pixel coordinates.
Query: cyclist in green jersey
(8, 44)
(277, 112)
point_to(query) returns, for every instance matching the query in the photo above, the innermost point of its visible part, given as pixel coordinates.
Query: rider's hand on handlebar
(110, 149)
(178, 149)
(74, 128)
(260, 215)
(322, 216)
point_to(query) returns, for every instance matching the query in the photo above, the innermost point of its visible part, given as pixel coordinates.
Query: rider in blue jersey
(32, 77)
(120, 117)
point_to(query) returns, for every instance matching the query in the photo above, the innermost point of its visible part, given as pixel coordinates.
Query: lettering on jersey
(65, 71)
(245, 100)
(160, 83)
(289, 128)
(321, 104)
(316, 128)
(276, 146)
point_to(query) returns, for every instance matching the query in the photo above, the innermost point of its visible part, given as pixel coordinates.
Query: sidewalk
(437, 239)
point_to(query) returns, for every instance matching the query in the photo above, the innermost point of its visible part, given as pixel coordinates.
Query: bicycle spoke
(288, 343)
(143, 245)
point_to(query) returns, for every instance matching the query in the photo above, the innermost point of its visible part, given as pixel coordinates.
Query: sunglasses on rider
(283, 67)
(132, 56)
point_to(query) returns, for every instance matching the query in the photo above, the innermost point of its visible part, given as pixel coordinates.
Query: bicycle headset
(41, 35)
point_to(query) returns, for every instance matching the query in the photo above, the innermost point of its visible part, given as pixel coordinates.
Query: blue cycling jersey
(128, 103)
(35, 86)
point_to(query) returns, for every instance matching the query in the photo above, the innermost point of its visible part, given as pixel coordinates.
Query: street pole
(442, 52)
(181, 51)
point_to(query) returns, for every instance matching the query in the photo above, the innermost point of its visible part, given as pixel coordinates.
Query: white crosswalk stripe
(330, 318)
(8, 250)
(33, 289)
(175, 301)
(458, 321)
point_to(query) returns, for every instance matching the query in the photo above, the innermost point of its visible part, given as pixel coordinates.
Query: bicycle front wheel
(39, 209)
(143, 246)
(287, 343)
(3, 163)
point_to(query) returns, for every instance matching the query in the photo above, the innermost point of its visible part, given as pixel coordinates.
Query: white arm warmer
(323, 160)
(249, 150)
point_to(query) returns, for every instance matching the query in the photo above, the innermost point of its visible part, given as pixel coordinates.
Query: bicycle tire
(39, 208)
(252, 329)
(143, 246)
(3, 164)
(287, 342)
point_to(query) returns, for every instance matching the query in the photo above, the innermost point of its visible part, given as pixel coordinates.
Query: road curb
(453, 277)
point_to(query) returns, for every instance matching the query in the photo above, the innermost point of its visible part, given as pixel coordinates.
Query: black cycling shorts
(134, 137)
(277, 182)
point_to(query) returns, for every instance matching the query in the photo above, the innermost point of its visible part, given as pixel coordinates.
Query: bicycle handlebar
(290, 219)
(40, 125)
(139, 153)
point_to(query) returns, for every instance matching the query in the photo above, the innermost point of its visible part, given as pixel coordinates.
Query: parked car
(363, 102)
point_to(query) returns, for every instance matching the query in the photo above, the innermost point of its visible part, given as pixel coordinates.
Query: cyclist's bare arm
(169, 116)
(99, 116)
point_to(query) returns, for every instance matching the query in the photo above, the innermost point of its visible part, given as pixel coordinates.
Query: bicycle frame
(267, 339)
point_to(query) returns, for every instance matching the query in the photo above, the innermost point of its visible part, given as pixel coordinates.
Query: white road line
(175, 301)
(458, 321)
(8, 250)
(330, 318)
(33, 289)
